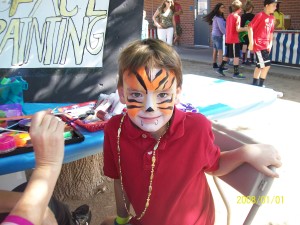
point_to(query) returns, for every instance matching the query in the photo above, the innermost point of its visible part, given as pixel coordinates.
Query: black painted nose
(149, 109)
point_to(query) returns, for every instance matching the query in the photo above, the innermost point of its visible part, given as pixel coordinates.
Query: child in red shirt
(233, 27)
(157, 154)
(260, 40)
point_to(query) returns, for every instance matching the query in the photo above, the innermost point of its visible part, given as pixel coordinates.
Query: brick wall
(187, 19)
(288, 7)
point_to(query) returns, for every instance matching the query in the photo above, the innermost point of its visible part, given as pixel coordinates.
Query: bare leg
(220, 56)
(264, 72)
(236, 61)
(257, 72)
(214, 56)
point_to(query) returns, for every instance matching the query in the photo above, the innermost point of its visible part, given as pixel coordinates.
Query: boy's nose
(150, 103)
(149, 109)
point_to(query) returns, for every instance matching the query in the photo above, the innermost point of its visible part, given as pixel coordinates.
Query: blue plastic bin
(11, 90)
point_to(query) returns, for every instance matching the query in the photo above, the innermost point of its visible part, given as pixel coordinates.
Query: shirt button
(144, 135)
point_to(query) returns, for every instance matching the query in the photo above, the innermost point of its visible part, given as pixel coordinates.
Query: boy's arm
(259, 156)
(271, 42)
(121, 210)
(120, 204)
(238, 26)
(250, 36)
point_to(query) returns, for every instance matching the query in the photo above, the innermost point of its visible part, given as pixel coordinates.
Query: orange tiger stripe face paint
(150, 97)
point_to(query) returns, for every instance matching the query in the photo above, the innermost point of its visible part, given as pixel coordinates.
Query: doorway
(201, 28)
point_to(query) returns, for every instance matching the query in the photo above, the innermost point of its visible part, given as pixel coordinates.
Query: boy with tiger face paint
(157, 154)
(149, 85)
(150, 96)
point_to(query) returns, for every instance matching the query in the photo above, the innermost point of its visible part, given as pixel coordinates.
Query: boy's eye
(136, 95)
(163, 95)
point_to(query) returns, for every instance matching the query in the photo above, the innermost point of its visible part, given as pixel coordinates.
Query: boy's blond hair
(236, 5)
(152, 53)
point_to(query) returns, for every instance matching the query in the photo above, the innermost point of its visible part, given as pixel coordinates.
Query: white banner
(52, 33)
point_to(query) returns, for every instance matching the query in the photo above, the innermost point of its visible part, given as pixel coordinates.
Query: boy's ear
(121, 94)
(178, 92)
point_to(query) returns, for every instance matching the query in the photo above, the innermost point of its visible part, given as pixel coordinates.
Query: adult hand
(46, 132)
(261, 156)
(159, 26)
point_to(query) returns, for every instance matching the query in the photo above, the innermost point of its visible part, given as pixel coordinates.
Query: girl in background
(217, 20)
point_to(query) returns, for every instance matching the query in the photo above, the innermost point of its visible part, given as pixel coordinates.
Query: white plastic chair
(245, 179)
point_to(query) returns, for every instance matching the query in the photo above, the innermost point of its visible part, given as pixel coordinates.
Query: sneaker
(82, 215)
(220, 71)
(215, 66)
(238, 76)
(225, 68)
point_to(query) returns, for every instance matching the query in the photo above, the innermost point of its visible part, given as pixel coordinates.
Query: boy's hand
(269, 48)
(261, 156)
(46, 132)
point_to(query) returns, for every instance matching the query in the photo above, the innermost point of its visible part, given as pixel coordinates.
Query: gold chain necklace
(152, 170)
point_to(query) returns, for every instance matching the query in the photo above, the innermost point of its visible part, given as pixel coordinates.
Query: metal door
(201, 28)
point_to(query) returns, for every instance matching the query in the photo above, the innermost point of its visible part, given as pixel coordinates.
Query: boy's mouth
(149, 120)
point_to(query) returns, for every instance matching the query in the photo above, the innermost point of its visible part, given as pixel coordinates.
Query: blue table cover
(212, 97)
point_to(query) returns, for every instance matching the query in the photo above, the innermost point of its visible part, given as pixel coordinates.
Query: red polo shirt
(180, 194)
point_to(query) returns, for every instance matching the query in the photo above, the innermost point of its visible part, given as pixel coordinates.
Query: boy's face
(150, 96)
(271, 7)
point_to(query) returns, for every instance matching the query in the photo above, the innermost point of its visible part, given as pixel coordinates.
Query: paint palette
(22, 141)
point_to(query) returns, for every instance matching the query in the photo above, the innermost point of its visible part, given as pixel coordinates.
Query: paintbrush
(25, 117)
(7, 129)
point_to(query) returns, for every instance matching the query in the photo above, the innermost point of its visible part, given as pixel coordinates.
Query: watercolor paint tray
(73, 111)
(74, 136)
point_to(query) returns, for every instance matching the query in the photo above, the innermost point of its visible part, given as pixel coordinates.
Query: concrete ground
(277, 124)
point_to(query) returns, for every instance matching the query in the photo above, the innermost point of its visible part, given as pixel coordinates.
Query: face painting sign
(52, 33)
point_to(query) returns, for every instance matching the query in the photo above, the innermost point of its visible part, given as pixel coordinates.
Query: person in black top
(245, 20)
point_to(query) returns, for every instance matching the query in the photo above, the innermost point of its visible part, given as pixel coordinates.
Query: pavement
(204, 55)
(277, 124)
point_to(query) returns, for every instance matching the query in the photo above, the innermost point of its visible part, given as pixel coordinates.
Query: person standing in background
(245, 20)
(164, 20)
(232, 40)
(145, 26)
(279, 18)
(260, 32)
(217, 20)
(178, 12)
